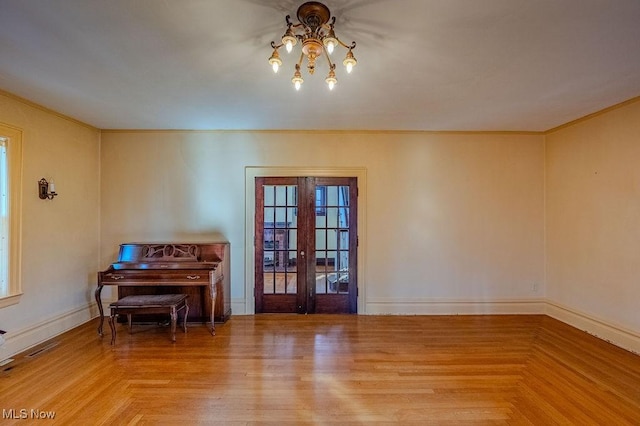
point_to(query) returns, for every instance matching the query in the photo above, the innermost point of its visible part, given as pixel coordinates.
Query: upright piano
(200, 270)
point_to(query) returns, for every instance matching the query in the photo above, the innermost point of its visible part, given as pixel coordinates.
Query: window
(10, 206)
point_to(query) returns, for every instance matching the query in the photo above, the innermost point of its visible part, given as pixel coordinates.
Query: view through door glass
(305, 245)
(277, 255)
(335, 246)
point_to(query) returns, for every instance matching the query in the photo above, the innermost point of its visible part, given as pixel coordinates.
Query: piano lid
(169, 255)
(164, 265)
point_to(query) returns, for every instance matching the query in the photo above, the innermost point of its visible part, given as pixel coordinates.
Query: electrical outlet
(534, 286)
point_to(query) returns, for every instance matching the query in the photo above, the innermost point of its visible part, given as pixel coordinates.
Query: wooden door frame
(251, 172)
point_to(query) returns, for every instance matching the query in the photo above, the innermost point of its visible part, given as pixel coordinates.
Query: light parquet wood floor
(317, 369)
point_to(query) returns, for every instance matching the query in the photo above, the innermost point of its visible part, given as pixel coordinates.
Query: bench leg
(112, 324)
(174, 319)
(130, 323)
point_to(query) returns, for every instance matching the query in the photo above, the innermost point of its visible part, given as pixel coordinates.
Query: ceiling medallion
(315, 34)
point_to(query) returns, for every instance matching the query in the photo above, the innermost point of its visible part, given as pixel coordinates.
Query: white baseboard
(20, 340)
(453, 307)
(433, 307)
(605, 330)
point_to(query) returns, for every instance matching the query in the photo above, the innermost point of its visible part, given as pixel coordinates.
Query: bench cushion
(149, 300)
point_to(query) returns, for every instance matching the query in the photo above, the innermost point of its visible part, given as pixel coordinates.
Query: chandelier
(317, 37)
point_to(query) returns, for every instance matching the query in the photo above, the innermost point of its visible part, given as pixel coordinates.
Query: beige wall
(60, 237)
(593, 217)
(455, 222)
(449, 217)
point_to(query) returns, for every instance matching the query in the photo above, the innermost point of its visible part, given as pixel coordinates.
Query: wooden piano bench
(150, 304)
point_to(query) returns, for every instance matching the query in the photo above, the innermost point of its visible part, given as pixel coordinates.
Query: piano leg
(99, 302)
(186, 313)
(213, 311)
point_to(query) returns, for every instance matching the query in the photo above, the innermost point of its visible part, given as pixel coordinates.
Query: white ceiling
(422, 64)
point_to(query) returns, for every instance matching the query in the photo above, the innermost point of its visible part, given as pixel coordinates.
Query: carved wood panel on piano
(161, 268)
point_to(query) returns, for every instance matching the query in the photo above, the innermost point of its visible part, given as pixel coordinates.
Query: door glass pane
(321, 200)
(280, 282)
(293, 239)
(343, 196)
(268, 283)
(321, 260)
(269, 197)
(331, 260)
(332, 239)
(343, 282)
(344, 260)
(292, 217)
(292, 283)
(343, 242)
(321, 283)
(332, 195)
(281, 195)
(268, 239)
(343, 217)
(281, 217)
(321, 239)
(269, 217)
(268, 261)
(291, 262)
(332, 282)
(332, 217)
(292, 195)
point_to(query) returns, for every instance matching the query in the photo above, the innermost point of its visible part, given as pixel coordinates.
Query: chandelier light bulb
(350, 61)
(330, 46)
(289, 40)
(330, 40)
(331, 79)
(297, 78)
(275, 61)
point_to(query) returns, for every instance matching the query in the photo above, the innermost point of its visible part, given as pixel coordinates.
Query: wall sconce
(47, 190)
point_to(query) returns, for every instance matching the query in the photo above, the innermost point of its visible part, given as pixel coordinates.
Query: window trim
(14, 163)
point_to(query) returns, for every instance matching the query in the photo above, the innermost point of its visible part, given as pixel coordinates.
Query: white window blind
(4, 219)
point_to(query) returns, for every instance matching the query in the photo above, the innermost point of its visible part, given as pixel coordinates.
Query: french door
(306, 245)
